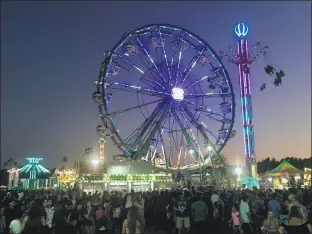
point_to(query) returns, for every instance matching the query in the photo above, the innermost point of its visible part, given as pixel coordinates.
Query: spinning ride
(163, 92)
(243, 60)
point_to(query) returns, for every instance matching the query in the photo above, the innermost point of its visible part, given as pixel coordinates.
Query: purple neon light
(163, 88)
(245, 92)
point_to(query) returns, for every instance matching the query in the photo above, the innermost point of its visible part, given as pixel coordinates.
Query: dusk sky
(51, 54)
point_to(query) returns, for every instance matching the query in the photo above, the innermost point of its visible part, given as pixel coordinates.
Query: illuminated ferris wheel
(163, 92)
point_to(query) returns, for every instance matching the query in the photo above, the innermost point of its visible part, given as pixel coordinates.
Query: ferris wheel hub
(177, 94)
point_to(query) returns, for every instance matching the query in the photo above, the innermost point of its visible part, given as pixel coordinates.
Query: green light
(34, 168)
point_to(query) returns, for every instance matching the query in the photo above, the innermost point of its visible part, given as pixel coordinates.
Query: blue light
(241, 30)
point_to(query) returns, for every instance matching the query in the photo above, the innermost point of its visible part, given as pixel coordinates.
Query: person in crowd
(73, 219)
(115, 211)
(235, 220)
(16, 224)
(183, 213)
(128, 202)
(89, 219)
(295, 223)
(256, 205)
(294, 201)
(217, 219)
(59, 218)
(34, 222)
(132, 224)
(274, 206)
(245, 215)
(199, 214)
(100, 220)
(138, 202)
(9, 213)
(215, 197)
(160, 204)
(49, 210)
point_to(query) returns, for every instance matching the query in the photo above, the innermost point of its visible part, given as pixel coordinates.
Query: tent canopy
(284, 169)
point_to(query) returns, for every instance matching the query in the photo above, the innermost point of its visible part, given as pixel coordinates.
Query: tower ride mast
(243, 60)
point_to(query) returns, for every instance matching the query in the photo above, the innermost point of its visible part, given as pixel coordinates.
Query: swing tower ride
(243, 59)
(243, 63)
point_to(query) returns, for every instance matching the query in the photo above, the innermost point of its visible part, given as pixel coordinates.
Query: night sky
(51, 53)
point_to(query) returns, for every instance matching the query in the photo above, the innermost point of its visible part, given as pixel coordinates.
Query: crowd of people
(198, 211)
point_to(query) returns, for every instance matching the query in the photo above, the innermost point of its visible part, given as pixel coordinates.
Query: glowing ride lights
(66, 175)
(241, 30)
(177, 94)
(177, 66)
(244, 80)
(243, 59)
(33, 167)
(102, 143)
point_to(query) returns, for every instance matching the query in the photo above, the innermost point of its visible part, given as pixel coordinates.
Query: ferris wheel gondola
(162, 103)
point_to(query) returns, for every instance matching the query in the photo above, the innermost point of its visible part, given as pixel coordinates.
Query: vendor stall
(285, 175)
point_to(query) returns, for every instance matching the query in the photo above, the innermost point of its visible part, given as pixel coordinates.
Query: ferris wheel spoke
(207, 95)
(149, 129)
(187, 137)
(145, 144)
(179, 59)
(203, 108)
(165, 55)
(137, 89)
(197, 125)
(163, 148)
(188, 70)
(211, 133)
(171, 131)
(152, 83)
(143, 128)
(130, 63)
(151, 59)
(203, 78)
(115, 113)
(133, 134)
(201, 127)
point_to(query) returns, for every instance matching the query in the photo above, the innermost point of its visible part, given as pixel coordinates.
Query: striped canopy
(284, 169)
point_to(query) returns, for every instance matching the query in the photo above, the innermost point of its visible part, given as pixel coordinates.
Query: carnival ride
(164, 70)
(243, 59)
(33, 168)
(66, 176)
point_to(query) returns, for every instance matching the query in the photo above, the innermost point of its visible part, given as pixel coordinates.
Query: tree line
(269, 164)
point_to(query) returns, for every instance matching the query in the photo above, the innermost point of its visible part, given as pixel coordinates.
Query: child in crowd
(100, 220)
(235, 220)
